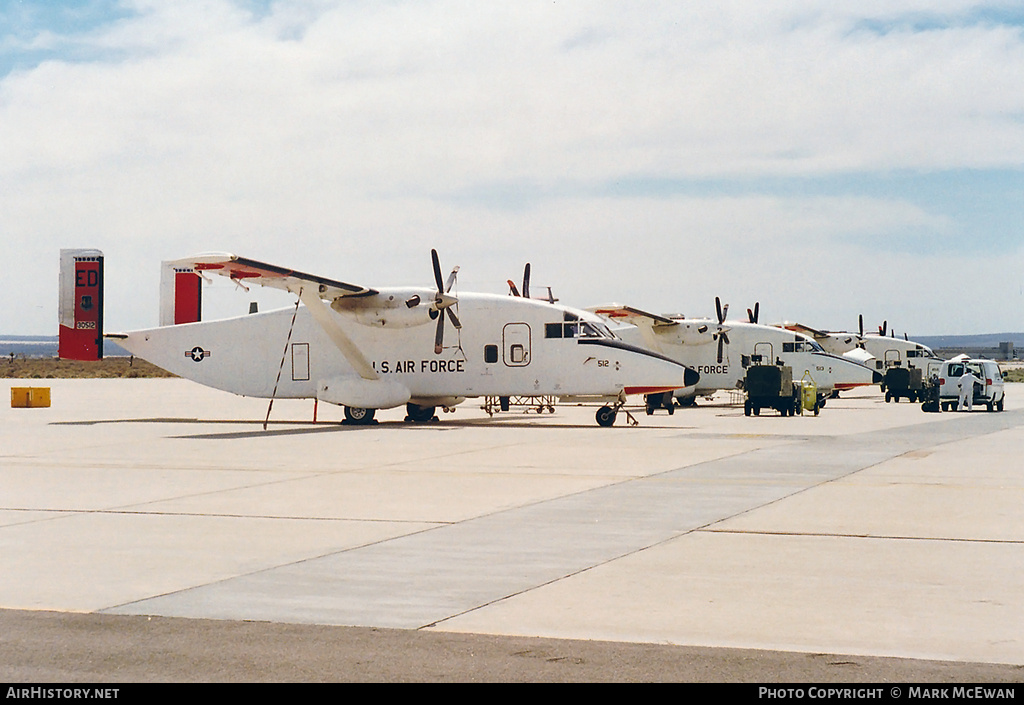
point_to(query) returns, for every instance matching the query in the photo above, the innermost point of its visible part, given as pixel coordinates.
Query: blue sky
(825, 160)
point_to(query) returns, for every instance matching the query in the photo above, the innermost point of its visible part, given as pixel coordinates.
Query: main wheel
(419, 414)
(359, 415)
(605, 416)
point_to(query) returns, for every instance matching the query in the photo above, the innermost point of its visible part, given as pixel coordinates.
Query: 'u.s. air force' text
(424, 366)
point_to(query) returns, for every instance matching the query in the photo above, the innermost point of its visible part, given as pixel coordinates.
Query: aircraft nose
(690, 377)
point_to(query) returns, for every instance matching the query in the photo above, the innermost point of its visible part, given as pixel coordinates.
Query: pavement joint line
(270, 517)
(879, 537)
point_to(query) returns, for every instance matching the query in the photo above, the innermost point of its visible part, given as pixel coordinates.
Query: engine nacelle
(362, 393)
(693, 332)
(389, 308)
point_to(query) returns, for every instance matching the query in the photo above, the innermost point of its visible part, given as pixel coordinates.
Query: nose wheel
(606, 415)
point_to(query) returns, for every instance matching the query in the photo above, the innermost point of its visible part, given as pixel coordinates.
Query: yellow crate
(30, 397)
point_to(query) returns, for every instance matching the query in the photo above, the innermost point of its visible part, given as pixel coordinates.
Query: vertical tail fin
(80, 307)
(181, 295)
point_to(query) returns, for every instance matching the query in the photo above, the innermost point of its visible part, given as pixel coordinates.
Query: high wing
(806, 330)
(243, 270)
(634, 316)
(311, 289)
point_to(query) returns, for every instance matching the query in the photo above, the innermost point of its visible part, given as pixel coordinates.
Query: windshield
(802, 346)
(577, 329)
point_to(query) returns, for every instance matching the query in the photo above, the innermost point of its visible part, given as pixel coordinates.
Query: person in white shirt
(967, 381)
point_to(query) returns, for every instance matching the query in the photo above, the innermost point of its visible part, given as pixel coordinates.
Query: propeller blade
(437, 271)
(526, 281)
(451, 280)
(512, 288)
(718, 308)
(453, 318)
(861, 318)
(439, 335)
(721, 344)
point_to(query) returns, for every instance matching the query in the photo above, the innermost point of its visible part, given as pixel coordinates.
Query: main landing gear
(419, 414)
(357, 416)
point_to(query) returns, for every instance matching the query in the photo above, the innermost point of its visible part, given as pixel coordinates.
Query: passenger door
(516, 344)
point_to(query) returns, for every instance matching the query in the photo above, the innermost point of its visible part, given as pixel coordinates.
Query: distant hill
(46, 346)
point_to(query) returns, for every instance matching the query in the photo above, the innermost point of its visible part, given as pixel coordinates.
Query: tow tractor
(770, 386)
(906, 382)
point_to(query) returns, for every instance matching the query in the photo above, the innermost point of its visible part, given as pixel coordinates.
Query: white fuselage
(506, 346)
(888, 351)
(682, 342)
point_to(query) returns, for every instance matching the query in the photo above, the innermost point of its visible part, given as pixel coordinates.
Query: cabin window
(491, 353)
(552, 330)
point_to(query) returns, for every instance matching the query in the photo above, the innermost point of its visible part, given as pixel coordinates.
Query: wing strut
(318, 309)
(284, 354)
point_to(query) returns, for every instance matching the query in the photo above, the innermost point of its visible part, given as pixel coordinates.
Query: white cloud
(349, 138)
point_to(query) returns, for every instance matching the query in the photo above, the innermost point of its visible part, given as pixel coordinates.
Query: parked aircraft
(885, 351)
(377, 348)
(722, 351)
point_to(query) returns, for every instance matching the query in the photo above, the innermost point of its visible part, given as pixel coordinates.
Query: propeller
(752, 315)
(882, 328)
(723, 338)
(526, 284)
(443, 302)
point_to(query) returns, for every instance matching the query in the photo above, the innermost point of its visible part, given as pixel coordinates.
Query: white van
(989, 392)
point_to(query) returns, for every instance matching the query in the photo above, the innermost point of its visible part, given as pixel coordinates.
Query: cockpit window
(802, 346)
(577, 329)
